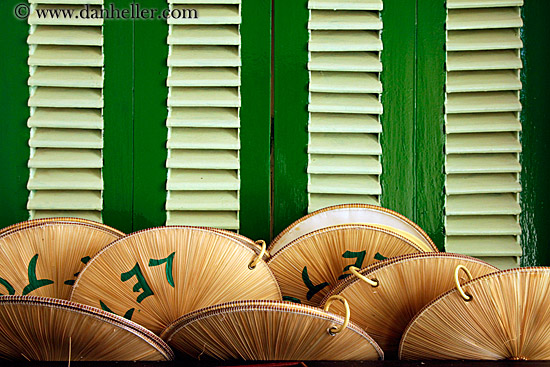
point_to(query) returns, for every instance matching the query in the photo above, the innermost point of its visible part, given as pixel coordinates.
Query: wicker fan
(34, 222)
(311, 265)
(155, 276)
(504, 315)
(269, 330)
(44, 259)
(402, 286)
(348, 214)
(46, 329)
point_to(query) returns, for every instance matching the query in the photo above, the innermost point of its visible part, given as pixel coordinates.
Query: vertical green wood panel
(398, 121)
(255, 209)
(535, 198)
(150, 112)
(291, 116)
(14, 134)
(430, 101)
(118, 122)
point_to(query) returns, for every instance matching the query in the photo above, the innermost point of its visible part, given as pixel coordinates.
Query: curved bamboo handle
(463, 294)
(372, 282)
(333, 330)
(260, 256)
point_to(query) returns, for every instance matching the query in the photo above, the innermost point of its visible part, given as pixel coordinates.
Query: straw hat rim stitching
(354, 206)
(337, 227)
(344, 283)
(105, 229)
(534, 269)
(263, 305)
(164, 228)
(115, 320)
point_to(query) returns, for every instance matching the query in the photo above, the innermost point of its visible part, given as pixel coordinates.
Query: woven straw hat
(155, 276)
(269, 330)
(34, 222)
(311, 265)
(386, 296)
(503, 315)
(46, 329)
(44, 258)
(349, 214)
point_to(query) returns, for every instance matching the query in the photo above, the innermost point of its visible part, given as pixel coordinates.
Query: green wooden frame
(413, 139)
(290, 138)
(430, 119)
(255, 156)
(14, 147)
(535, 198)
(118, 137)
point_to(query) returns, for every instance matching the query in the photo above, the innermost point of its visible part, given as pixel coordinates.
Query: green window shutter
(204, 115)
(344, 102)
(66, 121)
(482, 130)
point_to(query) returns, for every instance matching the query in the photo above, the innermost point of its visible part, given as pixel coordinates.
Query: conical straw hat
(155, 276)
(503, 315)
(34, 222)
(348, 214)
(44, 259)
(311, 265)
(47, 329)
(269, 330)
(398, 289)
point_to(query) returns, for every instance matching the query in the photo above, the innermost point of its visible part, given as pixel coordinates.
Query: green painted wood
(118, 170)
(398, 137)
(14, 148)
(430, 99)
(535, 198)
(291, 116)
(255, 157)
(150, 112)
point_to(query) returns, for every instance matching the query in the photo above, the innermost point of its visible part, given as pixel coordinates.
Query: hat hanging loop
(333, 330)
(262, 244)
(372, 282)
(463, 294)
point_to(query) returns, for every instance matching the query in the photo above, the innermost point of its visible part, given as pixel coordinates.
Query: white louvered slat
(66, 36)
(345, 4)
(345, 61)
(66, 179)
(46, 200)
(320, 201)
(66, 101)
(203, 121)
(78, 118)
(344, 123)
(44, 55)
(203, 159)
(203, 117)
(66, 15)
(483, 60)
(482, 127)
(344, 104)
(65, 158)
(344, 20)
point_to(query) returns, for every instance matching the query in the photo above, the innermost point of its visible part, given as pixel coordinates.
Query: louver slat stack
(344, 67)
(66, 101)
(203, 121)
(482, 129)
